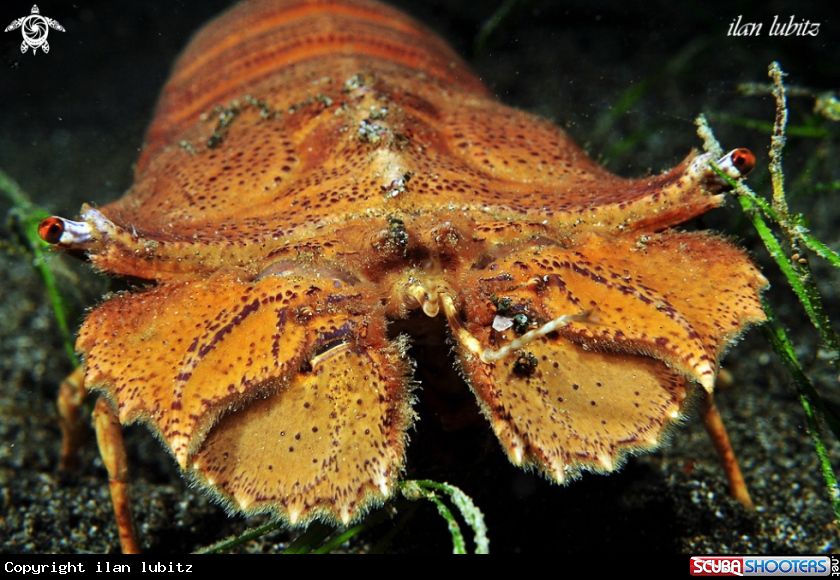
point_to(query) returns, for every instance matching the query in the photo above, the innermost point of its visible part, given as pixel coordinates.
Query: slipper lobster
(319, 169)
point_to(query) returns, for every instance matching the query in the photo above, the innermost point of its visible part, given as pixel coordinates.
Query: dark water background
(71, 124)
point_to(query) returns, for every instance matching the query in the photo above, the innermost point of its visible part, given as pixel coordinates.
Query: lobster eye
(51, 229)
(744, 160)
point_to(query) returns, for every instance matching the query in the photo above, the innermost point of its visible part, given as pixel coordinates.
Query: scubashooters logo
(716, 566)
(762, 565)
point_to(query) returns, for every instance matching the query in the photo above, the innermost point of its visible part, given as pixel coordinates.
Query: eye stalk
(65, 233)
(736, 165)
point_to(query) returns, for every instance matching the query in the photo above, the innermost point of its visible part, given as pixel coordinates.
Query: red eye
(744, 160)
(51, 229)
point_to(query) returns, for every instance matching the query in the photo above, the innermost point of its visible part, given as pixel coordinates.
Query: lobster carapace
(317, 170)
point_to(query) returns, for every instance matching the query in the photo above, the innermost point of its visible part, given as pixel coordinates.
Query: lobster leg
(71, 396)
(717, 432)
(112, 448)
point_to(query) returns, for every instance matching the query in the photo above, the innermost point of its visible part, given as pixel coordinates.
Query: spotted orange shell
(319, 171)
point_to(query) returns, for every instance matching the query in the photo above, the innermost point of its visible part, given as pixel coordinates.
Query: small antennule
(588, 316)
(488, 355)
